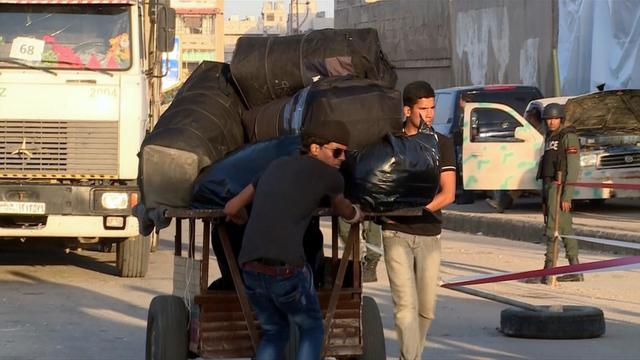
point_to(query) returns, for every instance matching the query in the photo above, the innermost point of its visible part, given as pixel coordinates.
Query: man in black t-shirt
(412, 244)
(277, 277)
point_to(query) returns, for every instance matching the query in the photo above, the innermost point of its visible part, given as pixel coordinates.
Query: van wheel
(132, 256)
(167, 334)
(573, 322)
(373, 347)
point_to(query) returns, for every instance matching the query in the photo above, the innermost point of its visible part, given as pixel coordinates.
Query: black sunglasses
(337, 152)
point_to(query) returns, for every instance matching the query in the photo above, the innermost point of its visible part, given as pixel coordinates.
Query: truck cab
(75, 105)
(607, 123)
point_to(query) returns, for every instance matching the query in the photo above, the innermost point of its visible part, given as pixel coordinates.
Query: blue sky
(253, 7)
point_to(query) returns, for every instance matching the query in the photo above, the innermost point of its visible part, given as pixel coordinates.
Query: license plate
(19, 207)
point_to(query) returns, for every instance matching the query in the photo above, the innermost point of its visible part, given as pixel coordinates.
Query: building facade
(200, 32)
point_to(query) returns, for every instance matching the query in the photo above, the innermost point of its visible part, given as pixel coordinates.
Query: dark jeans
(278, 299)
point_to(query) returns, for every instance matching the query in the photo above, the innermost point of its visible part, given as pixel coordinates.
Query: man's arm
(572, 152)
(235, 208)
(342, 207)
(447, 193)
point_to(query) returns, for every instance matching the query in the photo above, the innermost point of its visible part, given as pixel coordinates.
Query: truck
(607, 124)
(79, 89)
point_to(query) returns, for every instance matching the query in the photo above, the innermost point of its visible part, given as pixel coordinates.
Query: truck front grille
(624, 160)
(58, 149)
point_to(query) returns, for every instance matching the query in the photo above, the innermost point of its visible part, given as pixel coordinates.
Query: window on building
(195, 24)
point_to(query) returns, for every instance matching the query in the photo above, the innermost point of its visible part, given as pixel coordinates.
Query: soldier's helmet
(553, 110)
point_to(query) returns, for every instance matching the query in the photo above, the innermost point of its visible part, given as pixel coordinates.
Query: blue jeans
(278, 299)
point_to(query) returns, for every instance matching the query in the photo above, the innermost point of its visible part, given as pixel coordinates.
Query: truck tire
(574, 322)
(373, 347)
(167, 333)
(132, 256)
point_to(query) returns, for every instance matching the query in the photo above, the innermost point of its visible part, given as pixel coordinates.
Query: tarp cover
(226, 178)
(397, 172)
(598, 42)
(269, 68)
(615, 111)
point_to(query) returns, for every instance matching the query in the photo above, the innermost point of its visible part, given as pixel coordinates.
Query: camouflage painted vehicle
(608, 124)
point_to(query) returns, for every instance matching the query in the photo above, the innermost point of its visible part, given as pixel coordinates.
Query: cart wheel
(372, 331)
(167, 334)
(574, 322)
(132, 256)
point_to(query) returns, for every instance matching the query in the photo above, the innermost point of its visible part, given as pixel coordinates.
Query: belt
(272, 270)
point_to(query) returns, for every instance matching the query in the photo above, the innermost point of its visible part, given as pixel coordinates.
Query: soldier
(561, 153)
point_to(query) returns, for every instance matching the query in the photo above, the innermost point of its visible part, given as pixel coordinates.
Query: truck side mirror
(166, 28)
(520, 133)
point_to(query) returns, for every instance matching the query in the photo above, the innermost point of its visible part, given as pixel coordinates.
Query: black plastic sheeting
(397, 172)
(369, 110)
(269, 68)
(226, 178)
(201, 125)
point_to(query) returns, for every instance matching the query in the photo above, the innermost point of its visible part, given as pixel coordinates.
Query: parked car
(449, 111)
(607, 123)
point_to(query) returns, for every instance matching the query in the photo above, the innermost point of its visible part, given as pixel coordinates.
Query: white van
(607, 123)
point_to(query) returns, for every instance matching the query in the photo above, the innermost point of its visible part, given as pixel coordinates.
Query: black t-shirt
(287, 195)
(428, 224)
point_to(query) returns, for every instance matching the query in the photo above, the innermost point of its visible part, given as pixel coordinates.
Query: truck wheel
(167, 333)
(372, 331)
(132, 256)
(573, 322)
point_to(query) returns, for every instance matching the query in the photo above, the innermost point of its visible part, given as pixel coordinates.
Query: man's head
(534, 118)
(326, 141)
(553, 114)
(418, 99)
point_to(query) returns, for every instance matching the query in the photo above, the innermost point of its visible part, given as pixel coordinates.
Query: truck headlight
(588, 160)
(115, 200)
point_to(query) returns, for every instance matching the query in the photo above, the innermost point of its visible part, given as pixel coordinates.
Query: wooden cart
(197, 321)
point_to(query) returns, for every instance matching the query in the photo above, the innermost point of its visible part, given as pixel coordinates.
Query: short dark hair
(415, 91)
(307, 140)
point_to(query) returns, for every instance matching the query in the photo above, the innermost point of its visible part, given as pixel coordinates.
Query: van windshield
(66, 36)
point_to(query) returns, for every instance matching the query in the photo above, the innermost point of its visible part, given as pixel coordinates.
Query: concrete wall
(414, 34)
(460, 42)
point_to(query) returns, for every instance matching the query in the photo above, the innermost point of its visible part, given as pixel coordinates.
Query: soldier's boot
(572, 277)
(369, 271)
(540, 280)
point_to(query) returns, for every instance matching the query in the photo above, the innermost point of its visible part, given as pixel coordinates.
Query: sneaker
(494, 204)
(570, 278)
(369, 273)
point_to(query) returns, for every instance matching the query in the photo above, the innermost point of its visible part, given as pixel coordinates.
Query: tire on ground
(132, 256)
(167, 333)
(372, 331)
(574, 322)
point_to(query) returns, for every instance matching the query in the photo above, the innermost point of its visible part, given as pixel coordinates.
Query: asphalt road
(70, 306)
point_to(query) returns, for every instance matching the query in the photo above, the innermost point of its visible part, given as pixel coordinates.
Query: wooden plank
(337, 285)
(204, 276)
(237, 282)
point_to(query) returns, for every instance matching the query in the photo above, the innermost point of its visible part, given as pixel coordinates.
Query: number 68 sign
(25, 48)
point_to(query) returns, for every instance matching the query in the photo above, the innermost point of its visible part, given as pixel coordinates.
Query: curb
(531, 231)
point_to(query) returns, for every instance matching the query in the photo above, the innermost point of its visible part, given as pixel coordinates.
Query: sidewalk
(617, 219)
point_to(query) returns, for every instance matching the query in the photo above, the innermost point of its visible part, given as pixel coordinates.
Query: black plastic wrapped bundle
(201, 125)
(397, 172)
(269, 68)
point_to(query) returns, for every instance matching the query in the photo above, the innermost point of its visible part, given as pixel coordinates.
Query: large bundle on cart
(225, 178)
(269, 68)
(397, 172)
(368, 108)
(202, 124)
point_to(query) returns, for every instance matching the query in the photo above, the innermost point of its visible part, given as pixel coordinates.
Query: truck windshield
(66, 36)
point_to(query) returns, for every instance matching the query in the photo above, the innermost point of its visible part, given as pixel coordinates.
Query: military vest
(554, 158)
